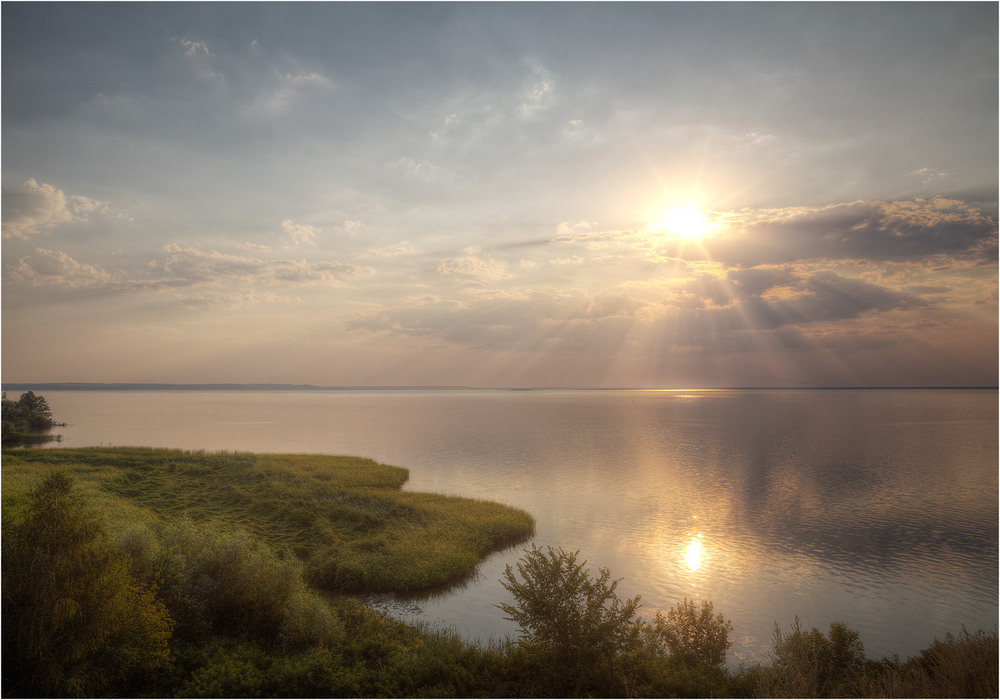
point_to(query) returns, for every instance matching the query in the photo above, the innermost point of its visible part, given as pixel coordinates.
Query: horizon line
(275, 386)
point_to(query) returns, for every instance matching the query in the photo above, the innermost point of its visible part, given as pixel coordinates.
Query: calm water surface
(874, 508)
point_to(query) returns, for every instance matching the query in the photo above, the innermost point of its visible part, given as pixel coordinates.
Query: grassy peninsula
(345, 518)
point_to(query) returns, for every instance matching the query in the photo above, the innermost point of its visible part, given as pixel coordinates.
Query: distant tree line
(29, 416)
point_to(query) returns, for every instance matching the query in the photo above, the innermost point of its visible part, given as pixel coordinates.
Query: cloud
(611, 305)
(755, 138)
(874, 231)
(410, 168)
(57, 269)
(568, 228)
(527, 321)
(708, 313)
(393, 250)
(298, 234)
(575, 260)
(198, 57)
(285, 90)
(313, 79)
(190, 266)
(756, 281)
(833, 297)
(537, 94)
(914, 230)
(827, 297)
(738, 304)
(927, 175)
(242, 298)
(182, 267)
(473, 267)
(35, 208)
(194, 48)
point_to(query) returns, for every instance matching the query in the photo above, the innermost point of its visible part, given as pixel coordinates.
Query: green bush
(75, 622)
(681, 654)
(693, 636)
(228, 673)
(564, 611)
(573, 625)
(232, 584)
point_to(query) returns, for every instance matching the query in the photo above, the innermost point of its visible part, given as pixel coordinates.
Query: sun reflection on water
(692, 553)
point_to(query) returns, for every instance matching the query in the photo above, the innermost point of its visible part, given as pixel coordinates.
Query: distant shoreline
(130, 386)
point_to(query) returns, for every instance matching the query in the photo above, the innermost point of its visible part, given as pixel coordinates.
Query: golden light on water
(692, 554)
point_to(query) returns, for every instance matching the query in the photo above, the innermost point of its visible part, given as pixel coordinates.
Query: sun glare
(692, 554)
(685, 222)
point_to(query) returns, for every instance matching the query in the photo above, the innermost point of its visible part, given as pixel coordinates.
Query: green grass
(346, 518)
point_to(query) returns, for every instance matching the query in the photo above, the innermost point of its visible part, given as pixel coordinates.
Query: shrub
(693, 636)
(808, 664)
(75, 622)
(228, 673)
(233, 585)
(143, 551)
(574, 624)
(961, 666)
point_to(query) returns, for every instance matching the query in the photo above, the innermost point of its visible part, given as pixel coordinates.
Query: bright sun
(685, 222)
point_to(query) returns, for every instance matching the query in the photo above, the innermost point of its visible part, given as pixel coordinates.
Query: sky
(649, 195)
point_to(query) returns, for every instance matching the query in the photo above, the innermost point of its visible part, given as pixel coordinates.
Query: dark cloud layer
(874, 231)
(707, 311)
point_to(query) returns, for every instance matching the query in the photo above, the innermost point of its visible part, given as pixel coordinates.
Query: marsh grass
(345, 518)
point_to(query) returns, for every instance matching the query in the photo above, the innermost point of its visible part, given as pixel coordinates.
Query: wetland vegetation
(163, 573)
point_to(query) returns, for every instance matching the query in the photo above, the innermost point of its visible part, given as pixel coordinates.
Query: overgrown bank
(161, 573)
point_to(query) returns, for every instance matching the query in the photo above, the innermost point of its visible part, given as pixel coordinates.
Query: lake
(876, 508)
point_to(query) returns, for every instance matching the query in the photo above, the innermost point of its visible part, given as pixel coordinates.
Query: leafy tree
(30, 414)
(35, 406)
(75, 623)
